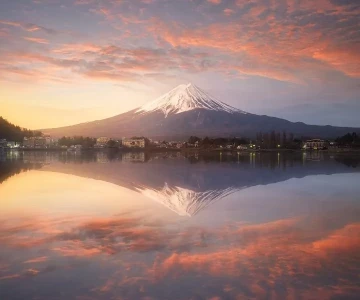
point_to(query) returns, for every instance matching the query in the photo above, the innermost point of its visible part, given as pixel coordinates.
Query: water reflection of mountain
(187, 185)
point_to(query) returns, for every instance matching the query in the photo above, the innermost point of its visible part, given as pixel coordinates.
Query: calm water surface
(165, 226)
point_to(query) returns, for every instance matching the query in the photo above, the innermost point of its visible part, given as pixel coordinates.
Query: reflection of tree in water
(11, 168)
(350, 161)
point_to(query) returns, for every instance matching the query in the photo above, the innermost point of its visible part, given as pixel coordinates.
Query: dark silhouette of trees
(349, 139)
(86, 142)
(193, 139)
(112, 144)
(275, 139)
(15, 133)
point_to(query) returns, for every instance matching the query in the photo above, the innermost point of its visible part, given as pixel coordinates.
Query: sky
(63, 62)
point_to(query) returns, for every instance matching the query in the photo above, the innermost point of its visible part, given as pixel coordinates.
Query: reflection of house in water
(316, 144)
(102, 157)
(314, 156)
(42, 157)
(134, 157)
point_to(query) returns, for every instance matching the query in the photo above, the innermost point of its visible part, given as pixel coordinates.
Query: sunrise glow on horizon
(64, 62)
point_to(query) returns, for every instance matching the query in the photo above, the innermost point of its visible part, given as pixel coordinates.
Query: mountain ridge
(187, 110)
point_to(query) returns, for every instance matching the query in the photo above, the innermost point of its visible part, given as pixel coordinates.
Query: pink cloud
(228, 11)
(36, 260)
(214, 1)
(37, 40)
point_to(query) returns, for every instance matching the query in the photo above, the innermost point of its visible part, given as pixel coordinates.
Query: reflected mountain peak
(184, 184)
(184, 202)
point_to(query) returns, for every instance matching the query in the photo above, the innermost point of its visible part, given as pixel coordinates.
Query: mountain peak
(186, 97)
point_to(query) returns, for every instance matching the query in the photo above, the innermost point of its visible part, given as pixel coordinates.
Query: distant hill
(14, 133)
(187, 110)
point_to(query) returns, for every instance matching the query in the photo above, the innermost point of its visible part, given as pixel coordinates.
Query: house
(3, 143)
(28, 142)
(13, 145)
(75, 148)
(241, 147)
(101, 142)
(50, 141)
(163, 145)
(134, 142)
(316, 144)
(35, 142)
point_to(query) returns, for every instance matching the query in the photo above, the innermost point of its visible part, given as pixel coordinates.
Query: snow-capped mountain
(187, 110)
(186, 97)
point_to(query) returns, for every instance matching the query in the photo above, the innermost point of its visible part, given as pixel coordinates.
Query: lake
(168, 226)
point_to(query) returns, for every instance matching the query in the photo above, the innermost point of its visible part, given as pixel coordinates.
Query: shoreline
(190, 150)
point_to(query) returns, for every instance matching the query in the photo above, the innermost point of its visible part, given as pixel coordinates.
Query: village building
(242, 147)
(316, 144)
(39, 142)
(102, 142)
(134, 142)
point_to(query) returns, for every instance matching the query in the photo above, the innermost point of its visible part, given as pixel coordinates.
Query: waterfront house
(316, 144)
(13, 145)
(241, 147)
(134, 142)
(102, 142)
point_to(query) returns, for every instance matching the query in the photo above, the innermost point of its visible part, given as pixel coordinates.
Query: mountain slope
(187, 110)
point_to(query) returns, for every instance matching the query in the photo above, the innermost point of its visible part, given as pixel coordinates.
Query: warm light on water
(240, 226)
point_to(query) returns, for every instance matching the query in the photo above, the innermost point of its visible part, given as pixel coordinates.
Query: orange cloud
(273, 47)
(36, 260)
(266, 255)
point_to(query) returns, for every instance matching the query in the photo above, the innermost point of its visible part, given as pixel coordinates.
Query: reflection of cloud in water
(137, 256)
(299, 256)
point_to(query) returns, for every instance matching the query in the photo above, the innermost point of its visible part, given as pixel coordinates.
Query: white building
(316, 144)
(13, 145)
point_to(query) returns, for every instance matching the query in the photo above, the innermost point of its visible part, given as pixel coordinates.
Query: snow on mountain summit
(183, 98)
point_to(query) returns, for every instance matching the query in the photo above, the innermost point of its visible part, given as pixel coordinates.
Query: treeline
(276, 139)
(86, 142)
(209, 142)
(349, 139)
(15, 133)
(265, 140)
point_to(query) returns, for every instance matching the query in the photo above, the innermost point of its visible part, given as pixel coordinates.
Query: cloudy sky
(68, 61)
